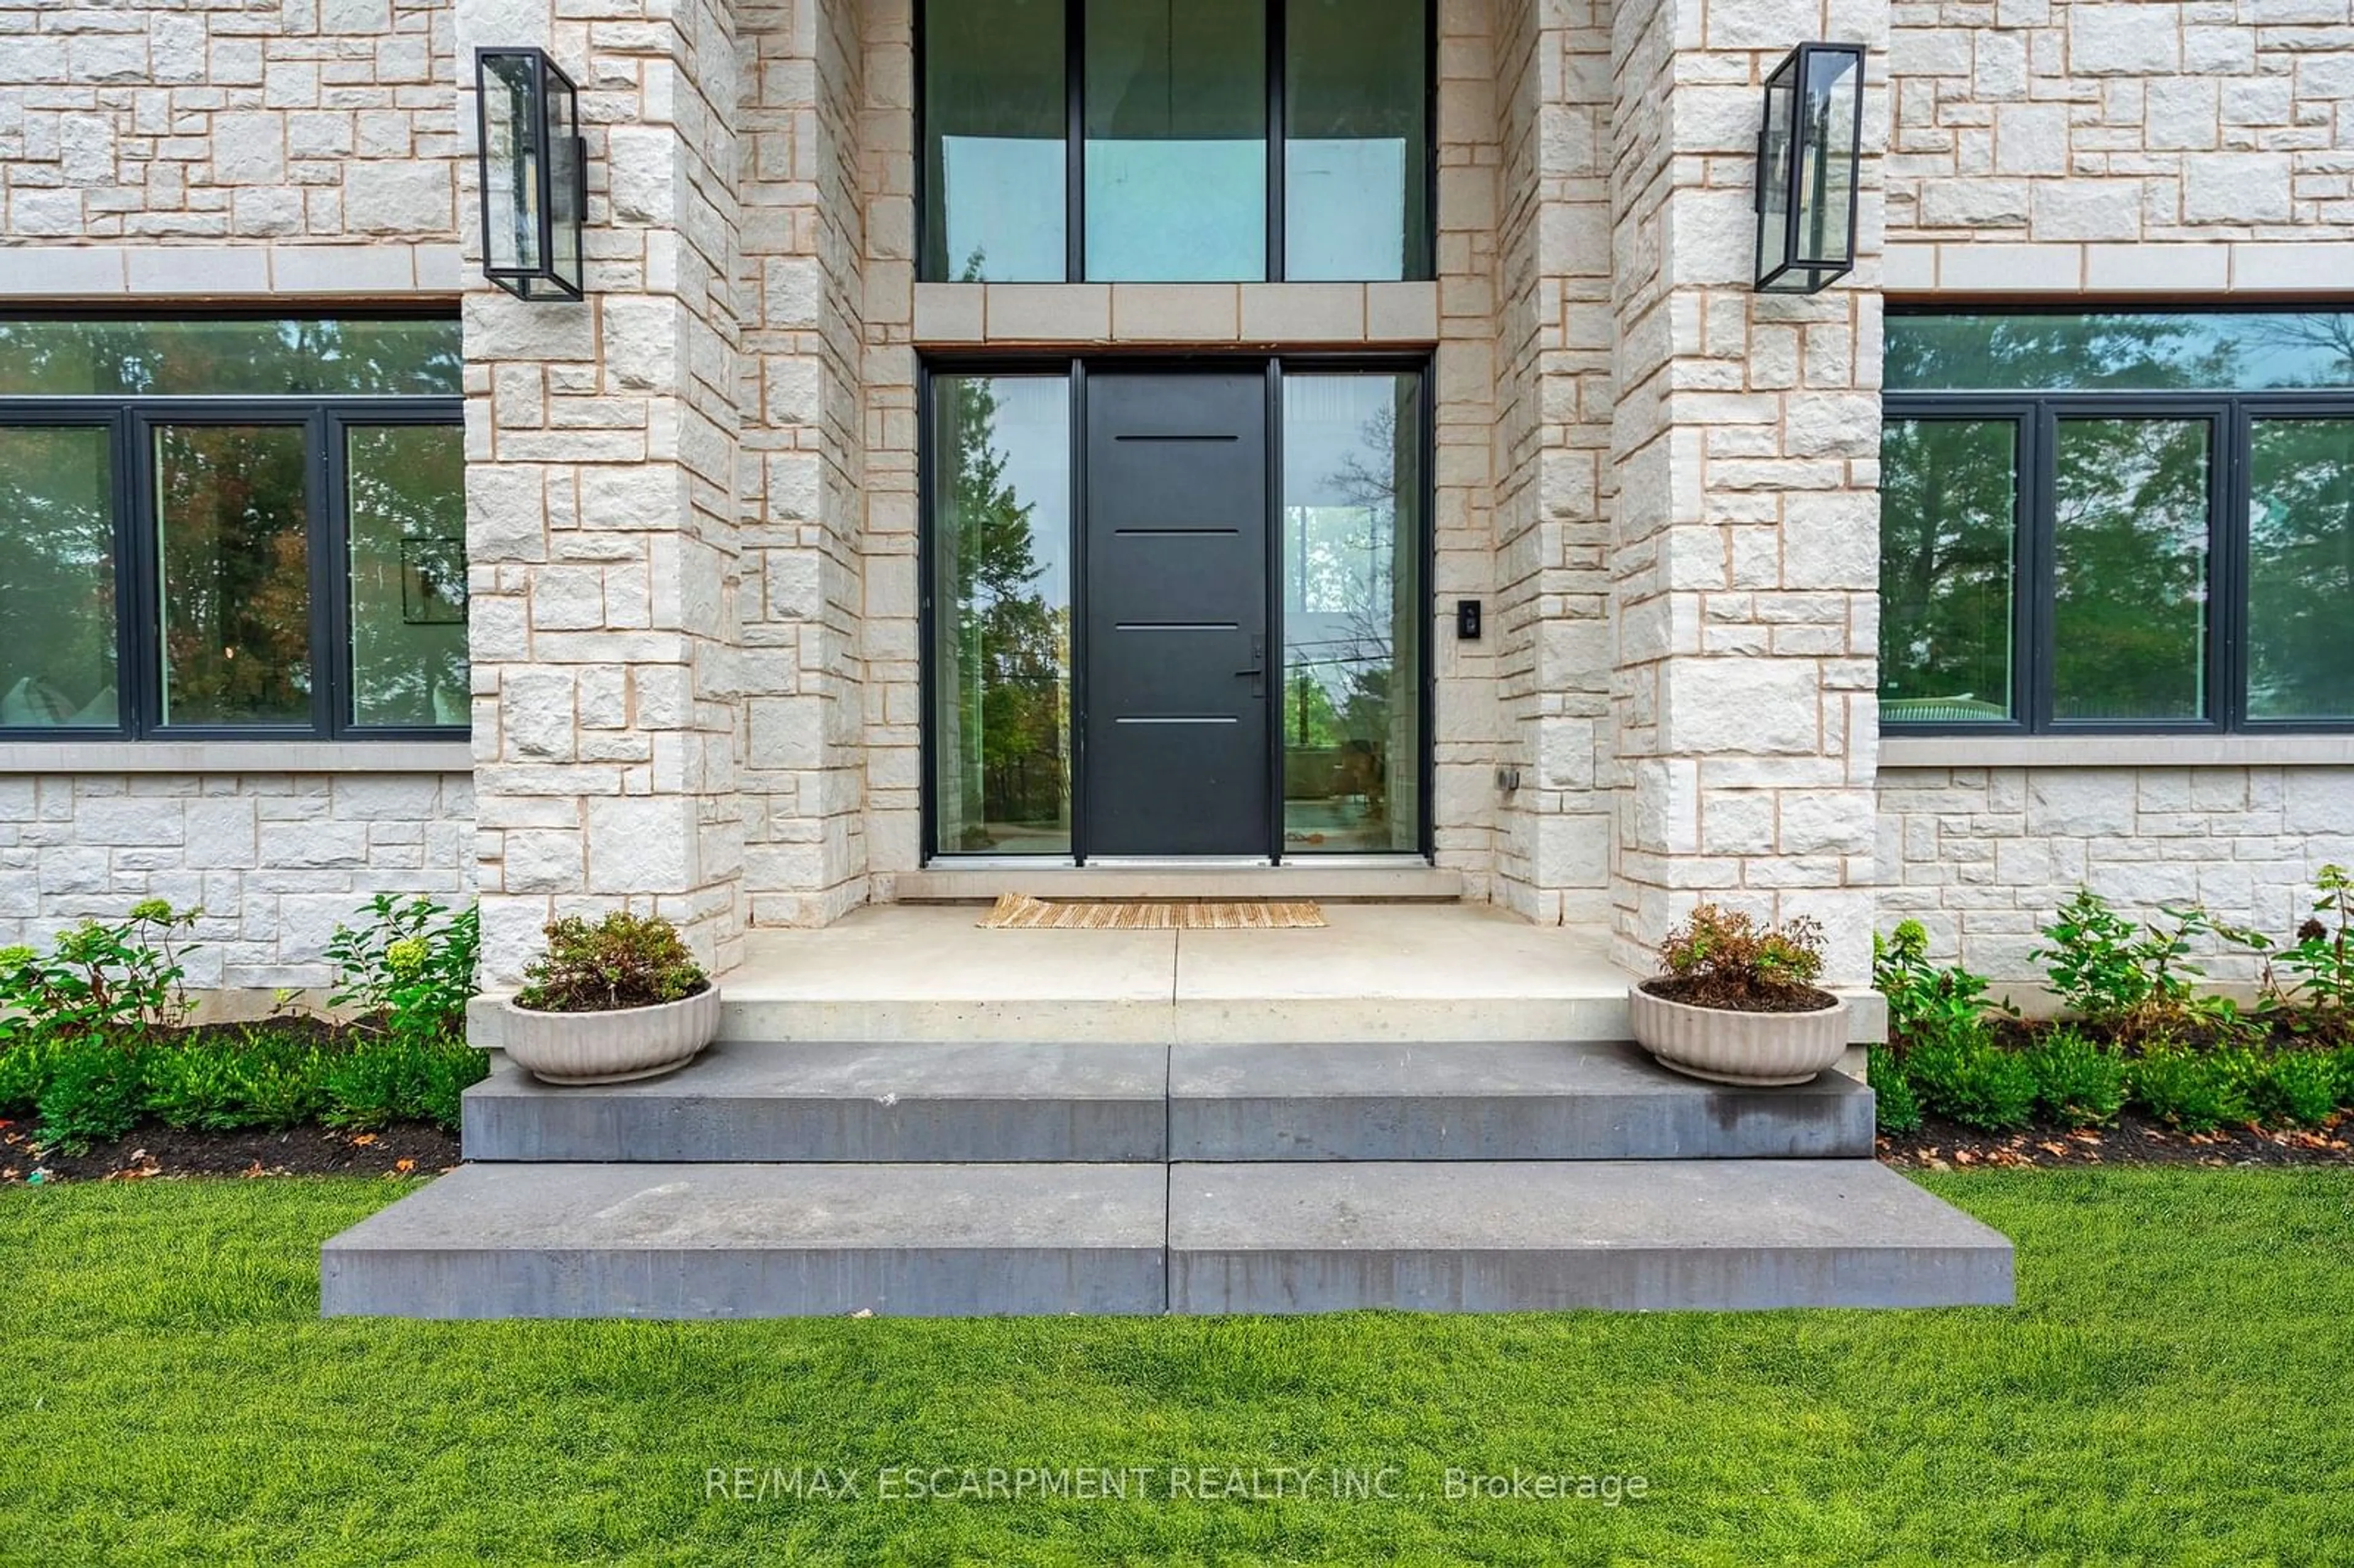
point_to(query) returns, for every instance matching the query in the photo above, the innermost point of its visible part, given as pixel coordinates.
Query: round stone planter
(609, 1047)
(1747, 1048)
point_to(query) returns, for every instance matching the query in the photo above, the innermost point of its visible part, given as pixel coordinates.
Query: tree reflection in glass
(1001, 512)
(235, 540)
(57, 588)
(1351, 491)
(2130, 555)
(2301, 569)
(408, 521)
(1948, 527)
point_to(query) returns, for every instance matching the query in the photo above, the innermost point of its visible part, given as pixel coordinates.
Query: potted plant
(619, 1000)
(1735, 1002)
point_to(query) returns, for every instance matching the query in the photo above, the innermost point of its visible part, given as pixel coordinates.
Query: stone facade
(2142, 145)
(274, 859)
(1982, 856)
(258, 136)
(693, 500)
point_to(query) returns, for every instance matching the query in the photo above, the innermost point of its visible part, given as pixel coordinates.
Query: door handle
(1258, 671)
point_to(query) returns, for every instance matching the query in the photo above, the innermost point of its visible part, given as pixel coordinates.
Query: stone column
(1746, 528)
(600, 482)
(805, 789)
(1552, 534)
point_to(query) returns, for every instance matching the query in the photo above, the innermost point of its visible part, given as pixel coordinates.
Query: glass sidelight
(1001, 649)
(1352, 613)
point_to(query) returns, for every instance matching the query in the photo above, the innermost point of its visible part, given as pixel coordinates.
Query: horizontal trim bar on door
(1174, 533)
(1175, 718)
(1177, 626)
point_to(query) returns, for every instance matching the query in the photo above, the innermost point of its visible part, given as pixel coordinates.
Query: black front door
(1176, 659)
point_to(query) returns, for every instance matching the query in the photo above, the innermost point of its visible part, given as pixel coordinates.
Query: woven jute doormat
(1020, 911)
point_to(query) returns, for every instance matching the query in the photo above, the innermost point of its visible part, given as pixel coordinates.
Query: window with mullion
(224, 568)
(1136, 141)
(2174, 563)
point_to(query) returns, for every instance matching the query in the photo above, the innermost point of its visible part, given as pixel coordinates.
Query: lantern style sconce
(1810, 156)
(534, 174)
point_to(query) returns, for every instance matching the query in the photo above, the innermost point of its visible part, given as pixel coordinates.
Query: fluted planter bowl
(609, 1047)
(1728, 1047)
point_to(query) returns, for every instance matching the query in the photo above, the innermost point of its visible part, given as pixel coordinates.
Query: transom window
(231, 528)
(1215, 141)
(2118, 522)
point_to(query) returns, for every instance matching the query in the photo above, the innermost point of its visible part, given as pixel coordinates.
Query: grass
(2173, 1388)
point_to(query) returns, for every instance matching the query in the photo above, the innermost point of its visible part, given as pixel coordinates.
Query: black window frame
(131, 422)
(2036, 418)
(1072, 369)
(1074, 155)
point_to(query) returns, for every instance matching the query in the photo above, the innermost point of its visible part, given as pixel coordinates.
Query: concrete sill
(2117, 751)
(237, 756)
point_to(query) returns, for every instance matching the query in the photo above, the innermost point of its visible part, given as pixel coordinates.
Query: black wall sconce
(534, 174)
(1810, 162)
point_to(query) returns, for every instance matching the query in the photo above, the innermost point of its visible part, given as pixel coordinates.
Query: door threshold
(1387, 879)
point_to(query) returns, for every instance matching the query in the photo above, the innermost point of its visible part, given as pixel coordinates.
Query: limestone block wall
(275, 859)
(1554, 331)
(601, 503)
(164, 151)
(1983, 856)
(2133, 153)
(1744, 527)
(802, 495)
(1470, 819)
(267, 125)
(2137, 143)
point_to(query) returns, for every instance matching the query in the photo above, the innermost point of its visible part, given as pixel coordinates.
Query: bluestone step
(841, 1102)
(1647, 1235)
(1478, 1100)
(758, 1241)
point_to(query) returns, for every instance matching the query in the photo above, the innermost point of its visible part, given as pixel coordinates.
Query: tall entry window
(1001, 551)
(231, 528)
(1148, 141)
(2120, 521)
(1176, 611)
(1352, 603)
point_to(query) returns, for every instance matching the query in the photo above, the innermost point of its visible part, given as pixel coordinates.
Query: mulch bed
(1941, 1145)
(411, 1149)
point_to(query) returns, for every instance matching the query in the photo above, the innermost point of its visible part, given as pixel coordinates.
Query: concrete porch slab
(1412, 973)
(1377, 971)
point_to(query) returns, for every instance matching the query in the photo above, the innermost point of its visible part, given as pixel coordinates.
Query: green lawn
(2177, 1386)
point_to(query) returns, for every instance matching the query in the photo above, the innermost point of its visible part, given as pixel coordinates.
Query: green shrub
(93, 1093)
(2342, 1059)
(280, 1081)
(2296, 1088)
(1926, 1002)
(450, 1070)
(1969, 1078)
(624, 961)
(192, 1088)
(2137, 980)
(25, 1069)
(379, 1082)
(2076, 1081)
(99, 980)
(2195, 1091)
(2318, 994)
(1894, 1104)
(407, 970)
